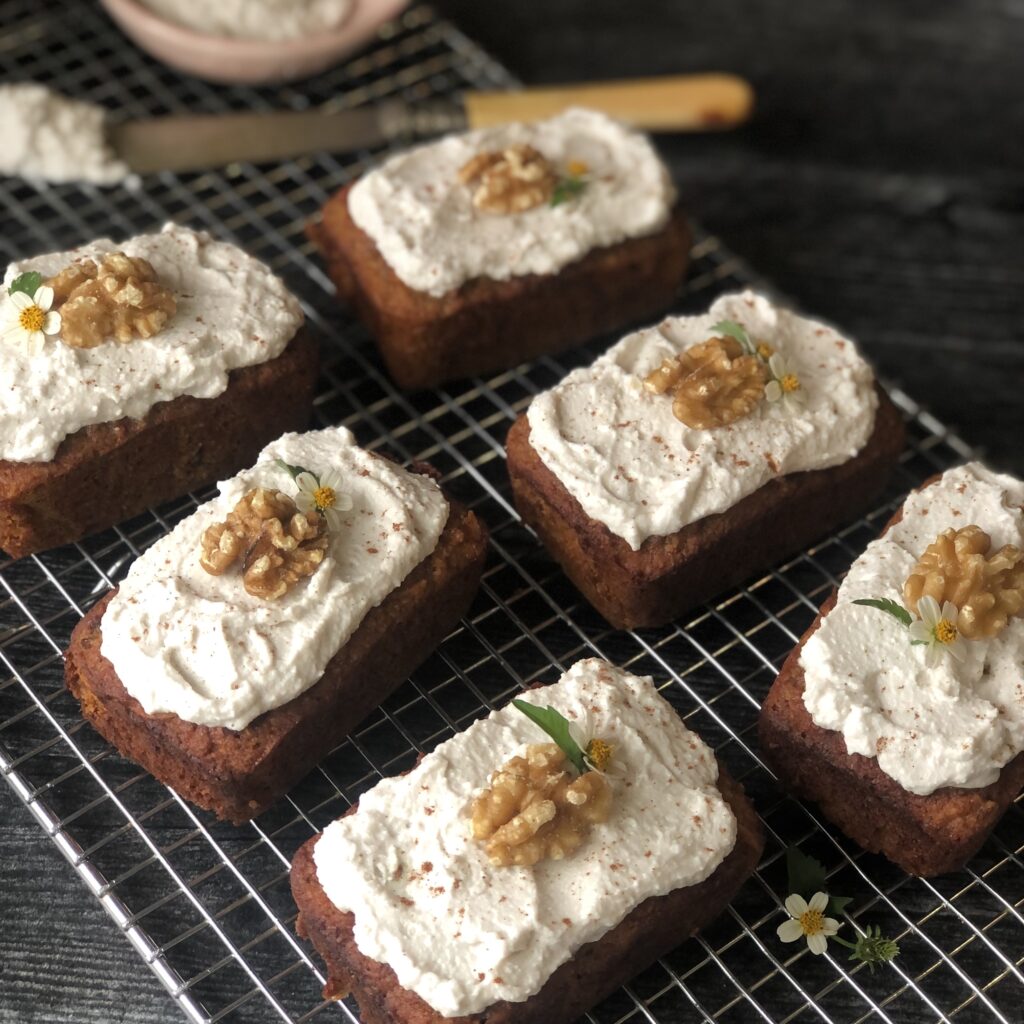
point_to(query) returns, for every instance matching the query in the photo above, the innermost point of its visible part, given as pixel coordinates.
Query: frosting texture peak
(956, 723)
(462, 933)
(231, 312)
(622, 454)
(425, 226)
(198, 646)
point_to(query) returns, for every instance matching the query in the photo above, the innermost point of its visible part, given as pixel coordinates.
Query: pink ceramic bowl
(249, 61)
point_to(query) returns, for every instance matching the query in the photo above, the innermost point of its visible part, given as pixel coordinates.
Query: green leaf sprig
(806, 876)
(30, 282)
(567, 188)
(294, 471)
(893, 608)
(556, 726)
(737, 331)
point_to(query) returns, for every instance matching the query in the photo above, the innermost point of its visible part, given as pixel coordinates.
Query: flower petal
(819, 901)
(957, 649)
(795, 905)
(929, 610)
(817, 944)
(773, 391)
(305, 481)
(330, 479)
(920, 631)
(933, 655)
(790, 931)
(830, 926)
(43, 297)
(334, 520)
(949, 611)
(51, 325)
(343, 502)
(21, 300)
(304, 502)
(777, 365)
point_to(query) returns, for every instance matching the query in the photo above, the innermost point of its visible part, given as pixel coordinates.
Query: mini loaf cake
(513, 881)
(903, 717)
(244, 645)
(482, 250)
(144, 369)
(698, 452)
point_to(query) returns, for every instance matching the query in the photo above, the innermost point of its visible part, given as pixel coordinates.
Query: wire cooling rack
(206, 905)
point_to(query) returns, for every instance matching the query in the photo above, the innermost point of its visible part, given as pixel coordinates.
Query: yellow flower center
(599, 753)
(812, 922)
(577, 168)
(791, 382)
(323, 498)
(945, 631)
(765, 351)
(32, 318)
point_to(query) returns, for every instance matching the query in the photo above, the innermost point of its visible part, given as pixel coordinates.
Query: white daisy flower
(322, 494)
(937, 630)
(598, 753)
(785, 384)
(31, 319)
(808, 919)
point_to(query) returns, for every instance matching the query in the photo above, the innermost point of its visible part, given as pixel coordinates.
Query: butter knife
(193, 142)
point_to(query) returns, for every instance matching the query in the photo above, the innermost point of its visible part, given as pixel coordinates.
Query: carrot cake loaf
(135, 372)
(247, 642)
(698, 452)
(508, 879)
(901, 711)
(485, 249)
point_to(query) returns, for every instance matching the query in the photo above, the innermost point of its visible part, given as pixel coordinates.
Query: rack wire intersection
(207, 905)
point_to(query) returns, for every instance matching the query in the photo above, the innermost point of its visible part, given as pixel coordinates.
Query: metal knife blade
(195, 142)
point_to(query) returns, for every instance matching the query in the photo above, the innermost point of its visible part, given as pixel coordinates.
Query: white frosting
(619, 450)
(952, 725)
(269, 20)
(232, 312)
(198, 646)
(49, 137)
(425, 225)
(462, 933)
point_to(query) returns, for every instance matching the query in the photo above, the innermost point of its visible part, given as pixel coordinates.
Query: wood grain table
(881, 185)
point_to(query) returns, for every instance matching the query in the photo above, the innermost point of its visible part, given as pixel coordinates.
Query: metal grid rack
(206, 905)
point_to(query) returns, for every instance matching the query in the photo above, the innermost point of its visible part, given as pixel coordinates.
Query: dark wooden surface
(880, 185)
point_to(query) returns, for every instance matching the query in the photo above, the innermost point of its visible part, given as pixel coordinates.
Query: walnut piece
(511, 180)
(278, 544)
(986, 588)
(119, 298)
(712, 384)
(536, 807)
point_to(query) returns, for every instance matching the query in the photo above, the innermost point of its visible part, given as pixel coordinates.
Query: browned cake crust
(649, 931)
(237, 775)
(669, 575)
(108, 472)
(924, 835)
(489, 325)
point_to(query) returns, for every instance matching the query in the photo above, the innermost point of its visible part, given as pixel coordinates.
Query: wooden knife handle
(674, 103)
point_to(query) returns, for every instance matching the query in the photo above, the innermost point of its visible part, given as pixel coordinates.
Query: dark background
(881, 185)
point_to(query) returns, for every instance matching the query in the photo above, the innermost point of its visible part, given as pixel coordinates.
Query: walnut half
(119, 298)
(987, 589)
(511, 180)
(278, 544)
(535, 808)
(712, 384)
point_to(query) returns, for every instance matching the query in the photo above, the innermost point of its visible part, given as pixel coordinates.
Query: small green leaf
(557, 727)
(294, 471)
(837, 904)
(29, 283)
(566, 189)
(883, 604)
(806, 875)
(734, 330)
